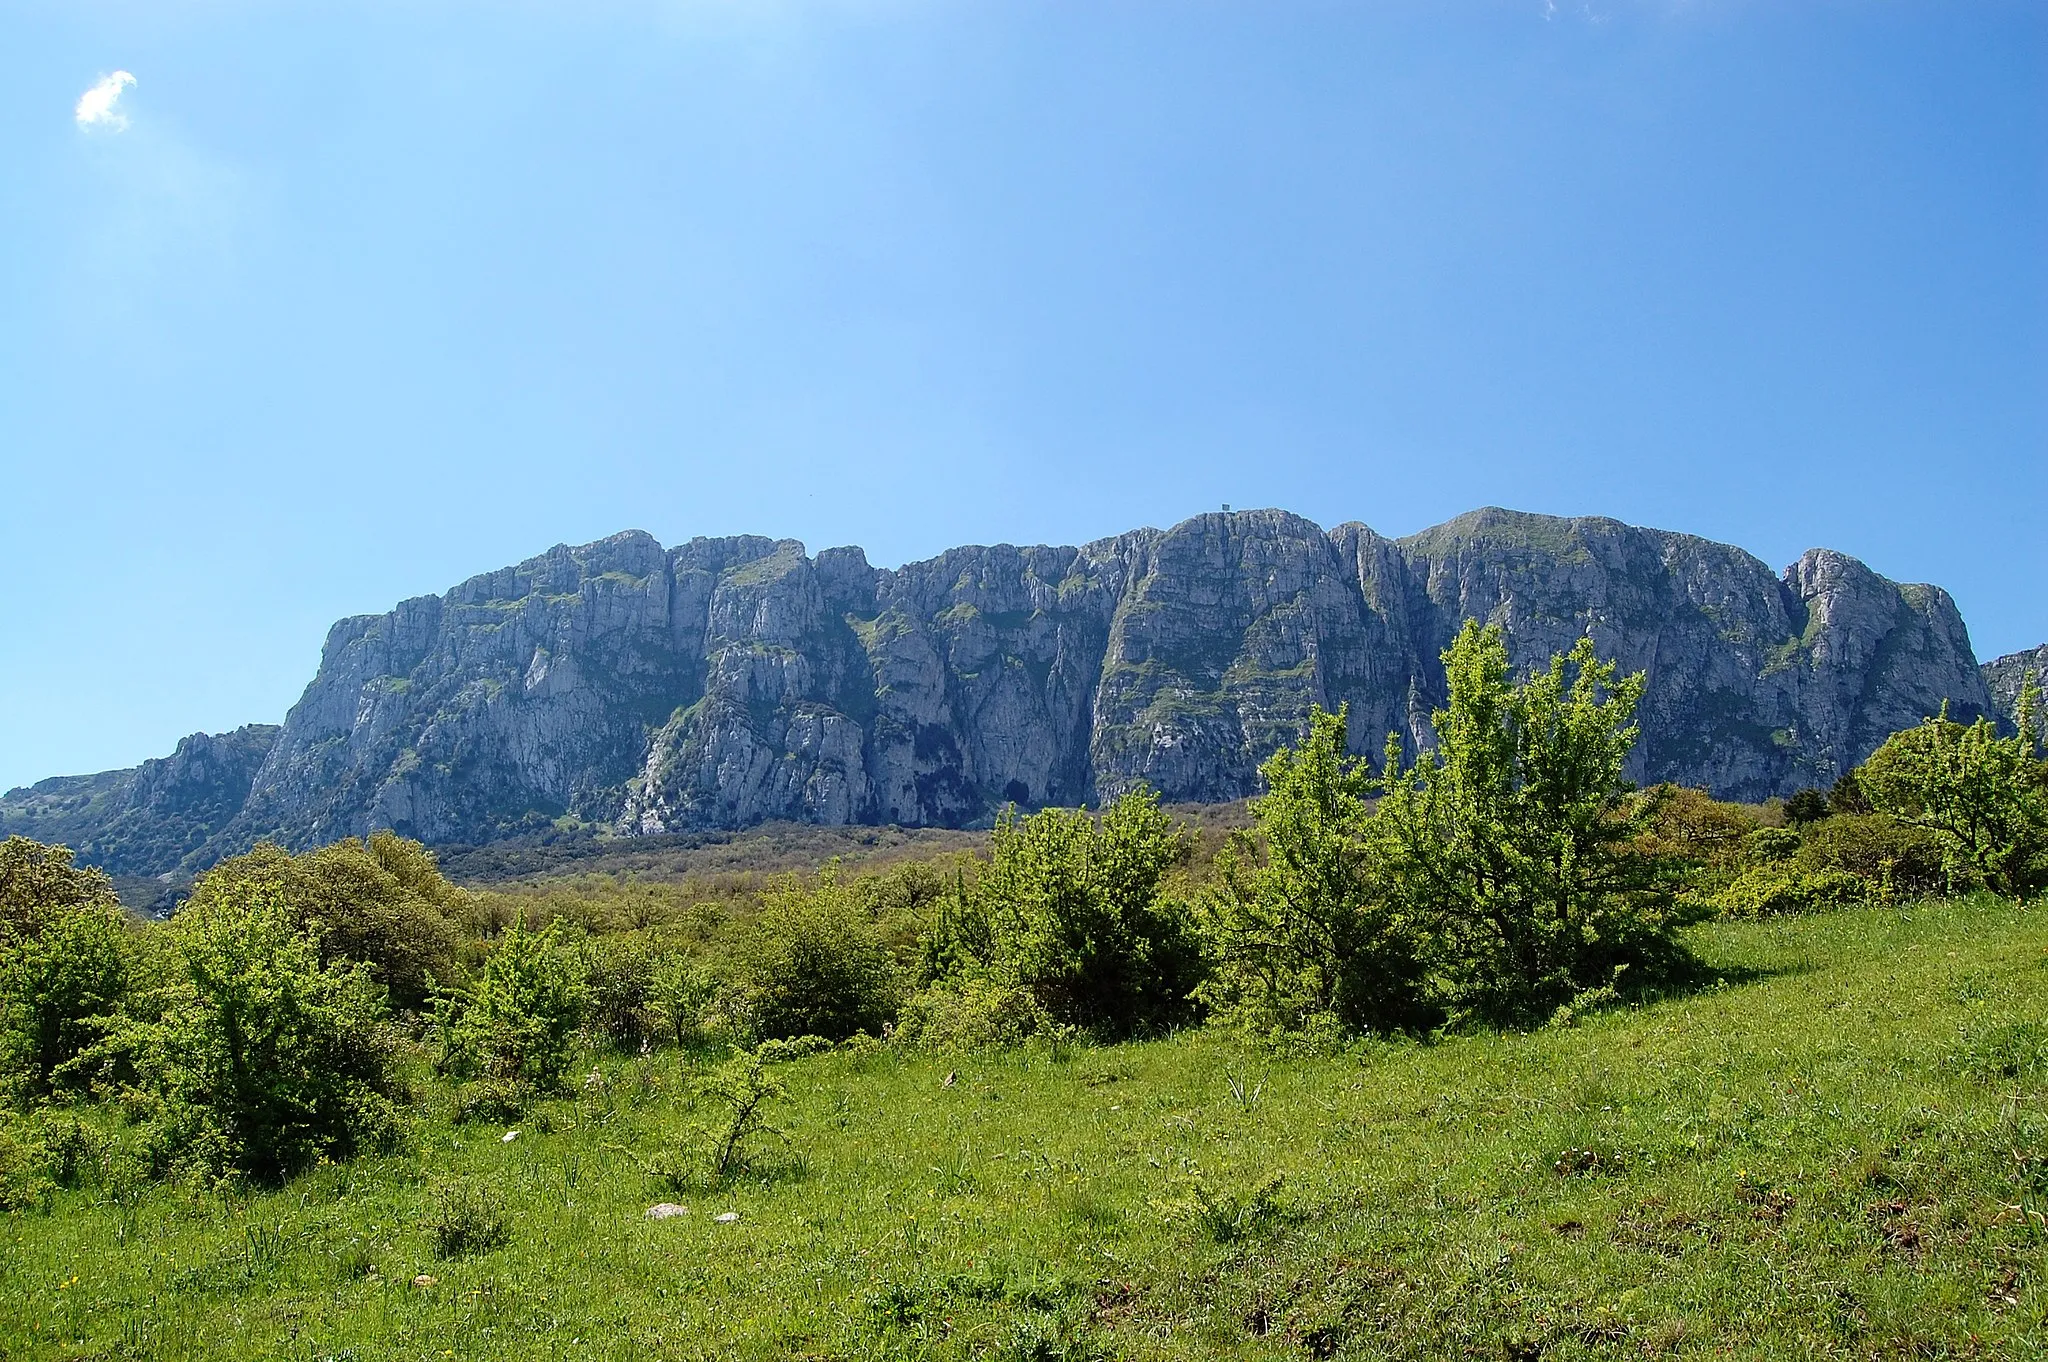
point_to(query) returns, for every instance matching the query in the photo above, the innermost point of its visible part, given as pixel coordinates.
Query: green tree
(1516, 839)
(63, 969)
(1299, 920)
(381, 901)
(1892, 858)
(1984, 795)
(1075, 909)
(1806, 806)
(621, 1011)
(680, 993)
(515, 1025)
(813, 963)
(256, 1055)
(1846, 796)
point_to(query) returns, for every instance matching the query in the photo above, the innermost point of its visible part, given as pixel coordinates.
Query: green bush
(1075, 909)
(249, 1053)
(25, 1180)
(1806, 806)
(738, 1092)
(1299, 920)
(1985, 796)
(516, 1024)
(1782, 887)
(1767, 846)
(1691, 826)
(35, 877)
(1846, 795)
(489, 1100)
(681, 994)
(970, 1013)
(63, 967)
(467, 1220)
(381, 901)
(813, 963)
(1517, 844)
(42, 1151)
(623, 1010)
(1891, 857)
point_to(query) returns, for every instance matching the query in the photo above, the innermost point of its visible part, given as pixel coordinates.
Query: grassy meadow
(1839, 1151)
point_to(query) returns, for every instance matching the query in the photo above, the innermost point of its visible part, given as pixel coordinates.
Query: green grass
(1822, 1160)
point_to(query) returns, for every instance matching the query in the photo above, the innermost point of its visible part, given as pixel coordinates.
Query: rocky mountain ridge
(150, 818)
(726, 682)
(2005, 677)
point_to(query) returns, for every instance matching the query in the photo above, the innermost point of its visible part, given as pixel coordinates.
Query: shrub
(1516, 842)
(1766, 846)
(1073, 908)
(1779, 888)
(740, 1089)
(622, 1010)
(1806, 806)
(42, 1151)
(1692, 826)
(381, 901)
(812, 963)
(1985, 796)
(1846, 795)
(253, 1055)
(516, 1024)
(36, 878)
(1890, 856)
(680, 995)
(490, 1100)
(25, 1180)
(970, 1013)
(1299, 920)
(903, 892)
(467, 1220)
(63, 969)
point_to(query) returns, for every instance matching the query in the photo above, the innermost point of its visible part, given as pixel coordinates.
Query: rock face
(2004, 677)
(731, 681)
(151, 818)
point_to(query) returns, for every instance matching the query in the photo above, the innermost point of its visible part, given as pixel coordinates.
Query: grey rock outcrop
(148, 819)
(731, 681)
(2006, 676)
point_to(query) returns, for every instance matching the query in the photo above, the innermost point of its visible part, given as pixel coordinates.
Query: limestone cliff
(148, 819)
(731, 681)
(2005, 676)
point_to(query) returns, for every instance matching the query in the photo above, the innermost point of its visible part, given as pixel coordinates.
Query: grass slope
(1835, 1158)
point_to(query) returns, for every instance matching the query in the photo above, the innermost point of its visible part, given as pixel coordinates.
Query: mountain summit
(730, 681)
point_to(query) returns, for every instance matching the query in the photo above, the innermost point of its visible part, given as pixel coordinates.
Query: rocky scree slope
(730, 681)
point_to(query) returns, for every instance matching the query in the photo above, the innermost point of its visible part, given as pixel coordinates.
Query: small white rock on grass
(666, 1210)
(508, 1137)
(726, 1217)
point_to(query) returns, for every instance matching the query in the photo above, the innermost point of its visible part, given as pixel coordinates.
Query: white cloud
(96, 106)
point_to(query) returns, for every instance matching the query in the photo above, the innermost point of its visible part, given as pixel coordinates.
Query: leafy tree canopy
(1301, 924)
(1516, 838)
(1984, 795)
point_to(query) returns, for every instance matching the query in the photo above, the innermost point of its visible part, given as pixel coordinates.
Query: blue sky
(339, 303)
